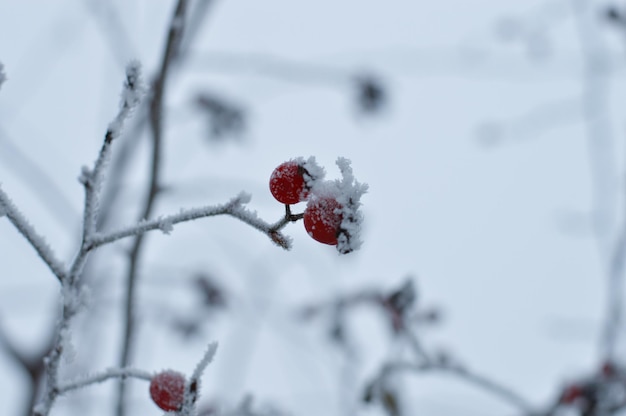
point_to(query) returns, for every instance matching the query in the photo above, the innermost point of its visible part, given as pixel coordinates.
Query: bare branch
(601, 153)
(92, 179)
(496, 388)
(176, 29)
(104, 376)
(233, 208)
(192, 386)
(28, 231)
(71, 288)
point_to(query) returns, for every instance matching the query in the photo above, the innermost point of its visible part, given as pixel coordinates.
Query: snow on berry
(314, 173)
(349, 197)
(292, 181)
(167, 390)
(322, 220)
(332, 215)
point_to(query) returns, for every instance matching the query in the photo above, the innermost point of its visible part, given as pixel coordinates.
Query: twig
(602, 164)
(176, 28)
(101, 377)
(289, 217)
(192, 386)
(233, 208)
(36, 241)
(92, 179)
(71, 287)
(497, 389)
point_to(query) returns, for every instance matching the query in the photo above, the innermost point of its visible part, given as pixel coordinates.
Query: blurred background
(491, 136)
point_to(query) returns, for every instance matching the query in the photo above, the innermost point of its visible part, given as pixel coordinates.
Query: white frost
(166, 225)
(349, 193)
(314, 172)
(131, 96)
(133, 88)
(69, 351)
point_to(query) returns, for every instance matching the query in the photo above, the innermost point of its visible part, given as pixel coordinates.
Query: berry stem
(289, 217)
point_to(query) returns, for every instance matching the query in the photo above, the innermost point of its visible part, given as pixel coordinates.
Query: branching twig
(71, 288)
(234, 208)
(289, 217)
(92, 179)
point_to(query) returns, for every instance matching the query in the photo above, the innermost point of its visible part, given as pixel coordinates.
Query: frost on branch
(205, 361)
(131, 96)
(193, 385)
(15, 216)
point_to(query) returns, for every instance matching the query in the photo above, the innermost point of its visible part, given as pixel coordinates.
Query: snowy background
(480, 167)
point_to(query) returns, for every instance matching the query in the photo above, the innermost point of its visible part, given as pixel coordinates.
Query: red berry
(571, 394)
(322, 220)
(287, 183)
(608, 369)
(167, 389)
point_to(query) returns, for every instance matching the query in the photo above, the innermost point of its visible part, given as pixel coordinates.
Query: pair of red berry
(291, 182)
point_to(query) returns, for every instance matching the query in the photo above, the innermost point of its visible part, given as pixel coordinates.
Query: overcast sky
(478, 167)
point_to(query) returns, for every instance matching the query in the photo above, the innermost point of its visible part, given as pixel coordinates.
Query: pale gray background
(498, 236)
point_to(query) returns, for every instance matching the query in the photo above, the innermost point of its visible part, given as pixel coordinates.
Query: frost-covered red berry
(288, 183)
(322, 220)
(167, 389)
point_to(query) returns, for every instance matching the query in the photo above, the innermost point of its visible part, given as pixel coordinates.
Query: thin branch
(417, 347)
(596, 85)
(36, 241)
(192, 386)
(289, 217)
(104, 376)
(92, 178)
(122, 159)
(176, 28)
(71, 287)
(233, 208)
(499, 390)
